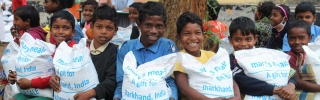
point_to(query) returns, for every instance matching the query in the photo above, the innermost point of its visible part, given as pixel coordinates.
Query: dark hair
(152, 8)
(299, 24)
(244, 24)
(63, 15)
(286, 8)
(28, 12)
(265, 8)
(136, 5)
(105, 12)
(94, 3)
(64, 4)
(214, 9)
(304, 7)
(188, 17)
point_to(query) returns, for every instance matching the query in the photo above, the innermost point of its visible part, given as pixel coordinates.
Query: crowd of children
(272, 30)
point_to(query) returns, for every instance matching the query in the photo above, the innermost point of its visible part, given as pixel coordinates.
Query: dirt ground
(3, 46)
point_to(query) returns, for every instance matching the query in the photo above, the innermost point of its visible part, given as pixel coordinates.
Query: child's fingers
(75, 96)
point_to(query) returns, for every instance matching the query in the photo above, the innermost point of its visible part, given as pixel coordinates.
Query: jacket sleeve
(107, 87)
(40, 83)
(249, 85)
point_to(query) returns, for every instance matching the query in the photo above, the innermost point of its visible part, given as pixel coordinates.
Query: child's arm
(253, 86)
(236, 91)
(305, 85)
(119, 72)
(185, 89)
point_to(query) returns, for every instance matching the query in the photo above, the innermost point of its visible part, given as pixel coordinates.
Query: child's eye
(238, 40)
(148, 25)
(109, 28)
(159, 26)
(249, 39)
(66, 28)
(301, 38)
(99, 27)
(199, 33)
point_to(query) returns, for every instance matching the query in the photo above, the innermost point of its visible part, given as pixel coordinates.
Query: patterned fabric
(264, 32)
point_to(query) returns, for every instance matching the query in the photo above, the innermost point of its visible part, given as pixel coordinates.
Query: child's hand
(85, 95)
(12, 77)
(276, 90)
(14, 31)
(24, 83)
(54, 83)
(288, 92)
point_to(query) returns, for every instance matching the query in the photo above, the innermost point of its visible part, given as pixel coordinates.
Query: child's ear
(91, 26)
(28, 22)
(310, 38)
(314, 17)
(73, 32)
(230, 40)
(255, 39)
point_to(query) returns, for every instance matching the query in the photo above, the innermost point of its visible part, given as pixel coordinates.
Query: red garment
(296, 60)
(42, 83)
(18, 3)
(217, 27)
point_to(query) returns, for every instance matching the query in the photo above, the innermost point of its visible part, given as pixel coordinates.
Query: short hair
(100, 13)
(94, 3)
(304, 7)
(136, 5)
(188, 17)
(213, 9)
(265, 8)
(152, 8)
(63, 15)
(244, 24)
(28, 12)
(299, 24)
(285, 8)
(64, 4)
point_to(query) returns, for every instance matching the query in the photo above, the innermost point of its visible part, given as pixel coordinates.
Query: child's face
(88, 12)
(152, 28)
(298, 37)
(191, 38)
(20, 24)
(49, 6)
(103, 31)
(276, 18)
(133, 14)
(241, 42)
(61, 30)
(306, 16)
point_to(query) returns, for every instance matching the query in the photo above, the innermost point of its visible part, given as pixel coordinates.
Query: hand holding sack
(34, 60)
(147, 81)
(75, 69)
(212, 79)
(268, 65)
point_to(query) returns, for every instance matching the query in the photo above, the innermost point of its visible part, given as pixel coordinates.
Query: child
(307, 12)
(189, 29)
(26, 18)
(61, 28)
(279, 21)
(103, 54)
(88, 8)
(151, 45)
(243, 36)
(53, 6)
(263, 22)
(133, 16)
(299, 34)
(217, 27)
